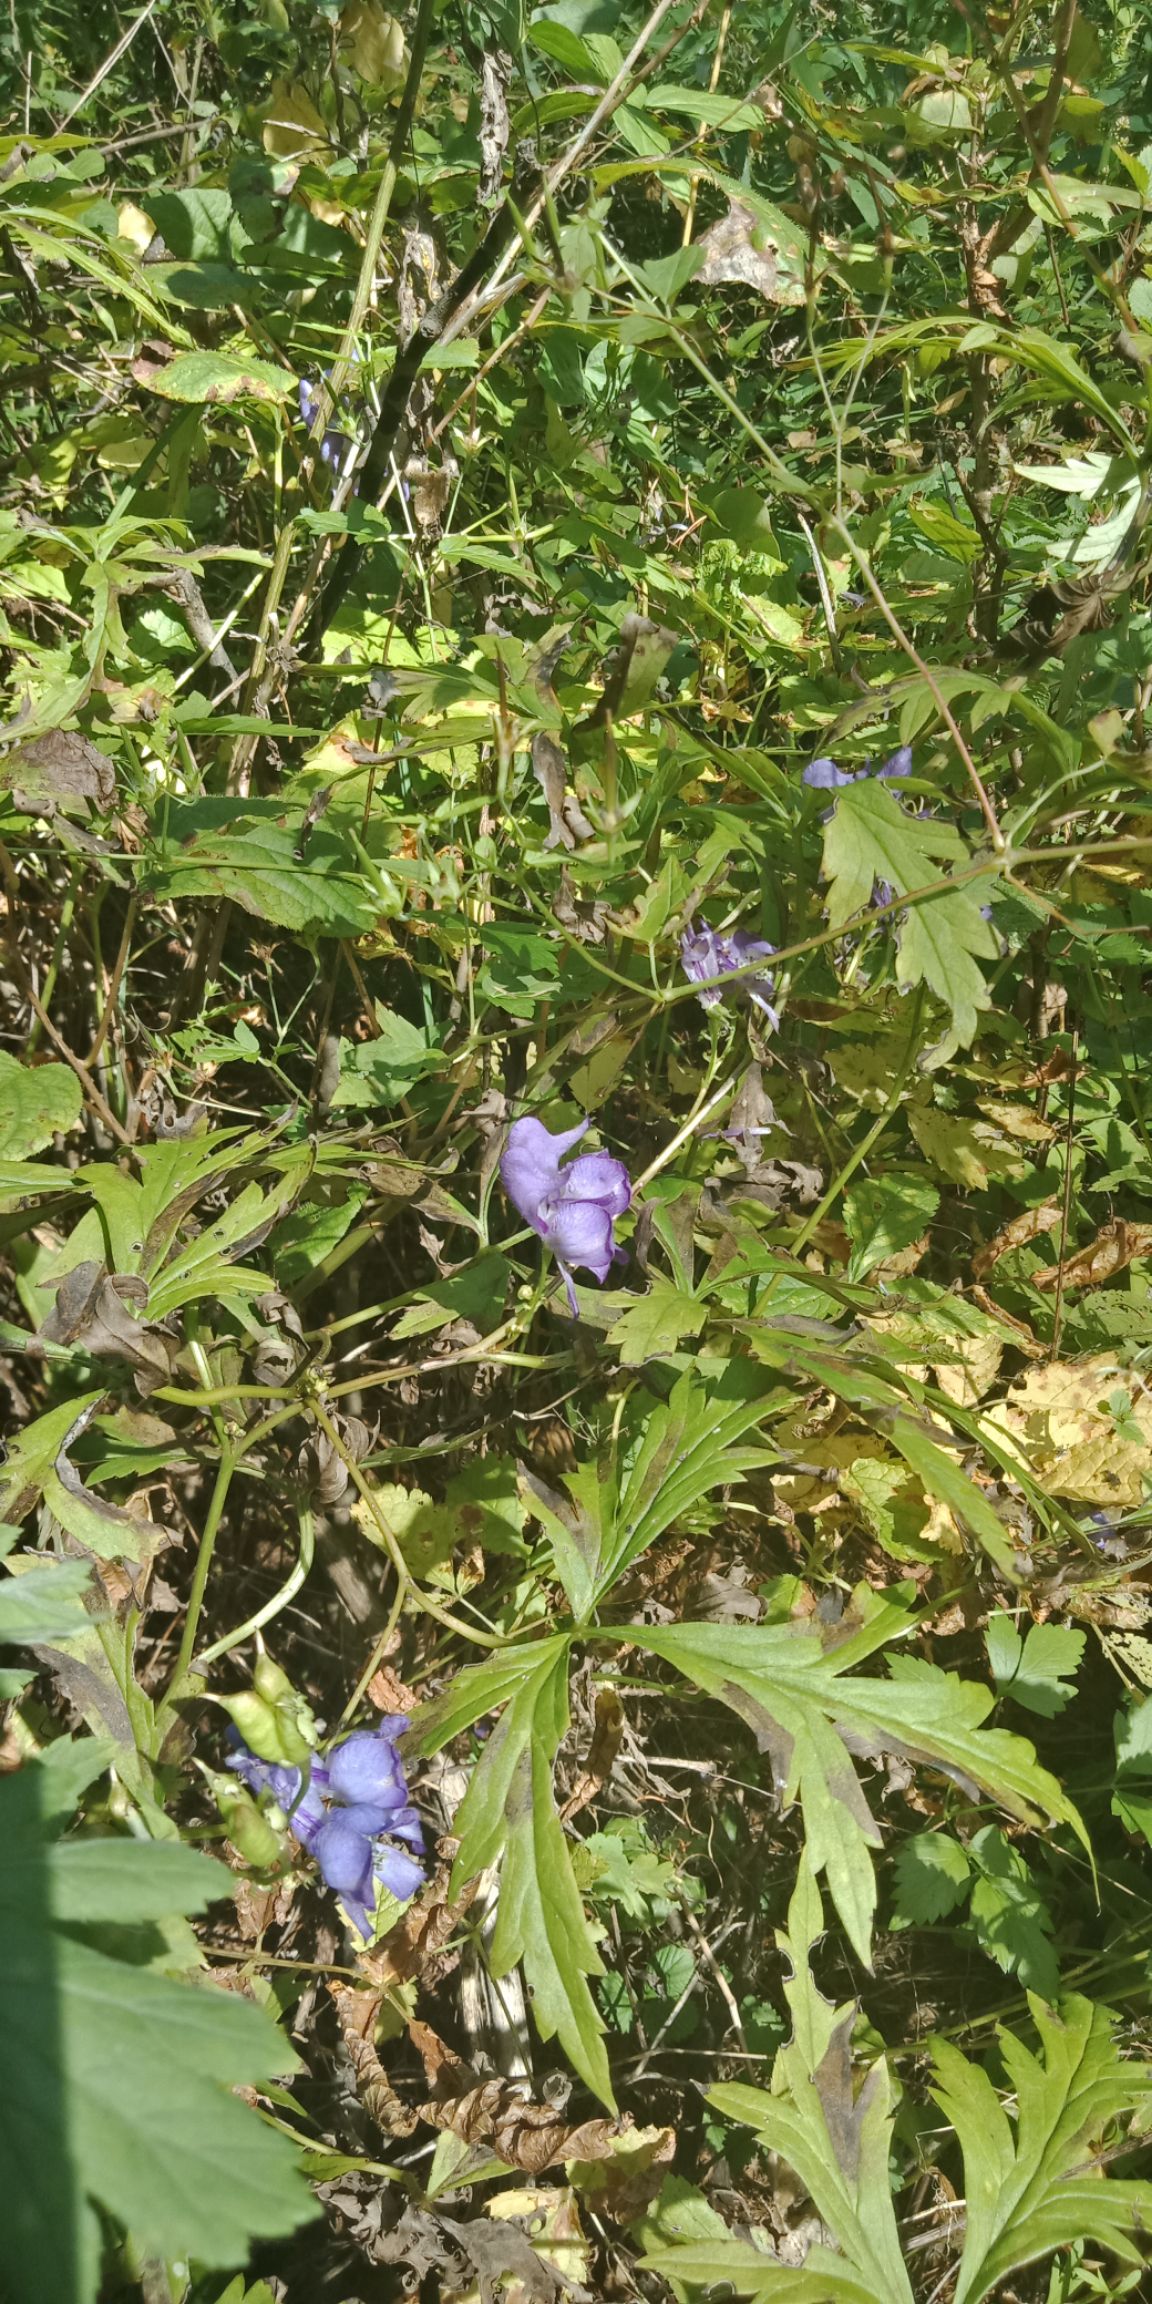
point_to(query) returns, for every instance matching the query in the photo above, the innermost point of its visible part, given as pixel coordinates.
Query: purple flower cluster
(823, 775)
(349, 1811)
(708, 955)
(573, 1209)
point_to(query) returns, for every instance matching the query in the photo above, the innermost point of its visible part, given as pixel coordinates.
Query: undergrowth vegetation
(575, 1174)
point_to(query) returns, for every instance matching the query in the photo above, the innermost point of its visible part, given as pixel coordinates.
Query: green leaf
(202, 378)
(836, 2134)
(119, 2079)
(933, 1876)
(1034, 1671)
(809, 1710)
(45, 1604)
(655, 1324)
(870, 837)
(248, 851)
(37, 1102)
(1036, 2186)
(705, 105)
(883, 1215)
(1010, 1919)
(508, 1815)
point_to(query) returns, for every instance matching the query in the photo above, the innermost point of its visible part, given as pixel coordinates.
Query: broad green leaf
(1035, 1670)
(201, 378)
(118, 2078)
(810, 1710)
(508, 1816)
(1036, 2184)
(248, 851)
(883, 1215)
(836, 2134)
(46, 1603)
(871, 838)
(655, 1324)
(705, 105)
(37, 1465)
(37, 1102)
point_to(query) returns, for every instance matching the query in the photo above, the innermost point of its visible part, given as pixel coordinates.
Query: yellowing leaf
(1059, 1425)
(293, 127)
(373, 42)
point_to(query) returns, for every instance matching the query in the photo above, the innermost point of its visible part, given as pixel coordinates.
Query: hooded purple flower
(573, 1208)
(824, 776)
(348, 1813)
(708, 956)
(335, 444)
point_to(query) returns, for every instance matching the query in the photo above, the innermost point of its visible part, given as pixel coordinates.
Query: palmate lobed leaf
(809, 1708)
(118, 2078)
(1030, 2186)
(508, 1815)
(870, 837)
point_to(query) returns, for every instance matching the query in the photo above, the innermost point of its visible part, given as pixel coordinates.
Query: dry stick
(110, 62)
(713, 84)
(1066, 1203)
(929, 678)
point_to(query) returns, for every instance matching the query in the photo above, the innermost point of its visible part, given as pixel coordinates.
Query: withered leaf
(567, 822)
(57, 771)
(607, 1732)
(92, 1311)
(1027, 1226)
(635, 668)
(739, 251)
(356, 2014)
(1116, 1245)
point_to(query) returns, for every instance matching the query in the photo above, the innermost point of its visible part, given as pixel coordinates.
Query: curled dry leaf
(356, 2013)
(57, 771)
(93, 1312)
(497, 2114)
(739, 251)
(1116, 1245)
(1027, 1226)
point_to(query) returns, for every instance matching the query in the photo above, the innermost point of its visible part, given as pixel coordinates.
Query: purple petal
(530, 1165)
(597, 1176)
(307, 1816)
(345, 1858)
(900, 763)
(266, 1776)
(580, 1232)
(365, 1767)
(746, 947)
(824, 776)
(405, 1825)
(401, 1875)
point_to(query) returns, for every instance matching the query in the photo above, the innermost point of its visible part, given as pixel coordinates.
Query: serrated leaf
(932, 1877)
(1034, 1671)
(810, 1711)
(836, 2135)
(870, 837)
(655, 1324)
(883, 1215)
(37, 1102)
(118, 2079)
(1036, 2186)
(508, 1816)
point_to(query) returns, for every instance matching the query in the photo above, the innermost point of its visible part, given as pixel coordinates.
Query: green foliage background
(461, 468)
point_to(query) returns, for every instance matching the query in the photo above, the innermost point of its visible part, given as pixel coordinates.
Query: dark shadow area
(41, 2250)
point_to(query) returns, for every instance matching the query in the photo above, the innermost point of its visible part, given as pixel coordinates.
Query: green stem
(225, 1470)
(279, 1600)
(860, 1153)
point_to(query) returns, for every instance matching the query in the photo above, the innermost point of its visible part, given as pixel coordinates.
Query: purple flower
(349, 1812)
(573, 1208)
(335, 444)
(709, 955)
(824, 776)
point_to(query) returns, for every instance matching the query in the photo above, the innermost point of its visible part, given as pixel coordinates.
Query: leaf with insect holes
(871, 838)
(837, 2136)
(508, 1816)
(1036, 2184)
(811, 1710)
(1035, 1670)
(119, 2079)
